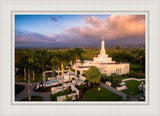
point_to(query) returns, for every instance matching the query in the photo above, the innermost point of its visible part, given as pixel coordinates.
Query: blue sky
(82, 30)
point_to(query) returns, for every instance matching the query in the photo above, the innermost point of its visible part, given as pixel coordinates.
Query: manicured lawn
(132, 86)
(105, 95)
(33, 98)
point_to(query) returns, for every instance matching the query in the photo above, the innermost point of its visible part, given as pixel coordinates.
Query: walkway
(128, 79)
(24, 93)
(123, 95)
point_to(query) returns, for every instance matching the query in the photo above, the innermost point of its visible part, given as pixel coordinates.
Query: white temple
(103, 63)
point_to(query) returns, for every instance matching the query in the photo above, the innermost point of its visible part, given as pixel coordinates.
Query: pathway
(24, 93)
(128, 79)
(123, 95)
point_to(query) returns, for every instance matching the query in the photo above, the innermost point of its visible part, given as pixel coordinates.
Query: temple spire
(102, 38)
(102, 51)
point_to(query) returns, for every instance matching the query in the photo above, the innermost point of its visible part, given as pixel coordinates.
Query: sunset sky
(40, 31)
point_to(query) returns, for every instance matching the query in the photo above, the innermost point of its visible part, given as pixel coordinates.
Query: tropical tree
(69, 58)
(93, 75)
(117, 47)
(58, 63)
(77, 54)
(22, 61)
(35, 64)
(30, 62)
(54, 62)
(62, 60)
(44, 58)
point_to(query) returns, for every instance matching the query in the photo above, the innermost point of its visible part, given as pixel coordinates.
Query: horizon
(71, 31)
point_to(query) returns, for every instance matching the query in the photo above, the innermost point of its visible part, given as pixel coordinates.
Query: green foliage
(68, 89)
(117, 47)
(43, 59)
(68, 98)
(86, 80)
(132, 87)
(115, 82)
(93, 74)
(105, 95)
(82, 87)
(65, 92)
(135, 68)
(73, 78)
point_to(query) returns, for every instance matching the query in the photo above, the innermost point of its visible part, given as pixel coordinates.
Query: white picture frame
(7, 106)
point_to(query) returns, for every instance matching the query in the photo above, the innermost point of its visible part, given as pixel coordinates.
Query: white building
(103, 63)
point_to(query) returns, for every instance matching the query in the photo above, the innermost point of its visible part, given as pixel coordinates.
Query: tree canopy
(93, 74)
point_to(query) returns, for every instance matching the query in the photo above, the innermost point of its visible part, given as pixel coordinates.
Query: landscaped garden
(132, 87)
(103, 95)
(61, 93)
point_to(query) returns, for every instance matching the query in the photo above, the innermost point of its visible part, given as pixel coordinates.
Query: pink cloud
(116, 26)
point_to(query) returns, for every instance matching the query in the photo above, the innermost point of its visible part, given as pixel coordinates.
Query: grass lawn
(132, 86)
(105, 95)
(33, 98)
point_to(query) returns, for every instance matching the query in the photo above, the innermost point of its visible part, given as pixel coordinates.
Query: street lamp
(30, 92)
(99, 93)
(31, 89)
(142, 87)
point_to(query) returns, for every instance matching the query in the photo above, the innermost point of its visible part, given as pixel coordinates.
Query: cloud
(116, 28)
(33, 37)
(53, 18)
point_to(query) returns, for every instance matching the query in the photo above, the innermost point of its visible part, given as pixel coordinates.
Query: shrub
(86, 80)
(115, 82)
(68, 90)
(68, 98)
(73, 78)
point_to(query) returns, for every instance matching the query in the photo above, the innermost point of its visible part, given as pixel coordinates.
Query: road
(24, 93)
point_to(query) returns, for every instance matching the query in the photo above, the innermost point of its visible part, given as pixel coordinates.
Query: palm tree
(54, 62)
(30, 62)
(63, 60)
(43, 56)
(33, 65)
(22, 61)
(68, 60)
(77, 54)
(57, 62)
(58, 75)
